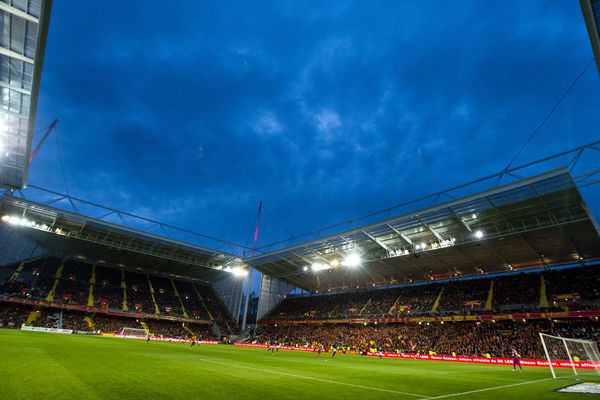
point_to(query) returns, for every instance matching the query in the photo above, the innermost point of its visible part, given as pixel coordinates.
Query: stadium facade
(24, 28)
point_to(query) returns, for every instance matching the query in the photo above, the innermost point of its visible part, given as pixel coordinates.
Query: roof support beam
(379, 242)
(306, 260)
(429, 228)
(15, 88)
(18, 13)
(402, 235)
(16, 56)
(461, 220)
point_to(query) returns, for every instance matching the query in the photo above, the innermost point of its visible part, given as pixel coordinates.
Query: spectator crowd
(494, 339)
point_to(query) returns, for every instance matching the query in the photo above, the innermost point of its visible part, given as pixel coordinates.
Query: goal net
(134, 332)
(569, 357)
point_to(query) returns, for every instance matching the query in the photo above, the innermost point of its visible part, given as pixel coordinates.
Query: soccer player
(516, 360)
(333, 350)
(193, 343)
(147, 338)
(272, 345)
(319, 350)
(380, 352)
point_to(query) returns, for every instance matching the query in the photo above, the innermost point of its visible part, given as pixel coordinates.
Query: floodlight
(353, 260)
(478, 234)
(238, 271)
(305, 268)
(334, 263)
(318, 267)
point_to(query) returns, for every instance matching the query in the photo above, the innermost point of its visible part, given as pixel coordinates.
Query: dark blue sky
(193, 112)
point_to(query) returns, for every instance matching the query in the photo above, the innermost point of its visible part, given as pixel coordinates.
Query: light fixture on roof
(474, 216)
(334, 263)
(316, 267)
(238, 271)
(305, 268)
(478, 234)
(352, 261)
(14, 220)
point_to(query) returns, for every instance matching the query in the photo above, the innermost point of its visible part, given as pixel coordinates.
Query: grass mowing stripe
(314, 378)
(488, 389)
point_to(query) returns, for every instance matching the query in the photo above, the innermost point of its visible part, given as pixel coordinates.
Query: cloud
(328, 121)
(324, 111)
(267, 124)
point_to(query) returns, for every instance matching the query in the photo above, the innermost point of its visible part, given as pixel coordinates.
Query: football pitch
(47, 366)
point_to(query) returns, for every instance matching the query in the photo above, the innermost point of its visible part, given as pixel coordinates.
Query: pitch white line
(313, 378)
(488, 389)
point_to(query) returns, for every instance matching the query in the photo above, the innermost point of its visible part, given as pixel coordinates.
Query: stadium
(486, 288)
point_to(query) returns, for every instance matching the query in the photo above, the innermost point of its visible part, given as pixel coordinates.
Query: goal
(134, 332)
(568, 357)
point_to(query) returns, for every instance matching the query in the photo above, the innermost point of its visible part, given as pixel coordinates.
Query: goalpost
(134, 332)
(568, 357)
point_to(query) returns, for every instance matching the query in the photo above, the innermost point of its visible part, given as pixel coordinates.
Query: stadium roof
(533, 222)
(74, 235)
(23, 31)
(591, 15)
(528, 223)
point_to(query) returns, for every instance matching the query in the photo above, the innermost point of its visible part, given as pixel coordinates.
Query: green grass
(45, 366)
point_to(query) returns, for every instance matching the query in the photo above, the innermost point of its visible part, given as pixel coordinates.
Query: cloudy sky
(193, 113)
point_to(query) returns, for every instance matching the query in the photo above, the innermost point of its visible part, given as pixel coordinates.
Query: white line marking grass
(488, 389)
(314, 379)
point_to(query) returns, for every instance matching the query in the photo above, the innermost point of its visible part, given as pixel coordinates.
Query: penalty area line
(312, 378)
(488, 389)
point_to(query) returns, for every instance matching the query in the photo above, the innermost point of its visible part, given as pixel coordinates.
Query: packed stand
(73, 287)
(13, 316)
(567, 289)
(108, 293)
(166, 299)
(53, 319)
(465, 338)
(139, 298)
(462, 297)
(191, 301)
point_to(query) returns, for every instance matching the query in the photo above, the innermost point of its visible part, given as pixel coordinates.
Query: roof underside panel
(531, 223)
(70, 235)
